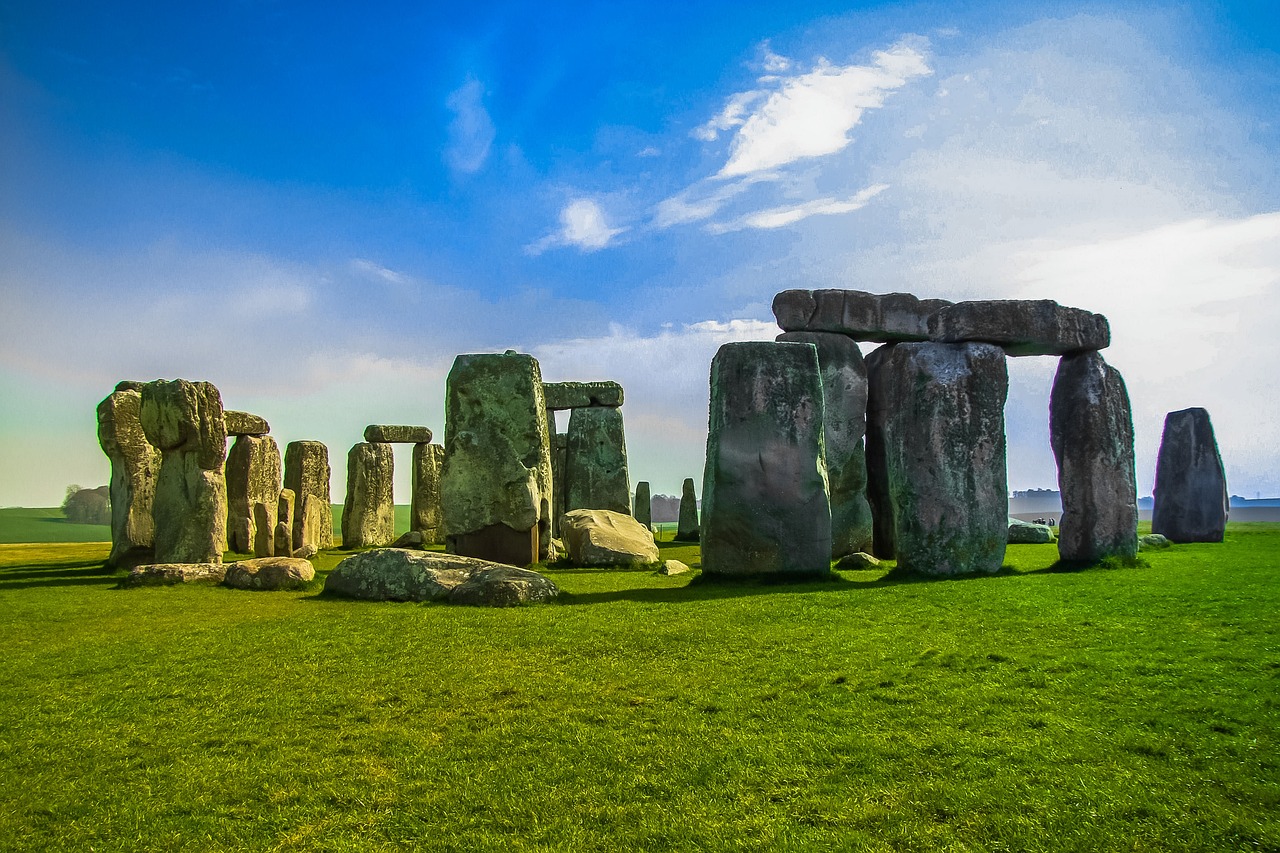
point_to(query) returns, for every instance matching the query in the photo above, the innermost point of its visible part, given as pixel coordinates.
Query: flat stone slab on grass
(1027, 533)
(879, 317)
(171, 574)
(397, 434)
(581, 395)
(600, 537)
(857, 561)
(397, 574)
(269, 573)
(1022, 326)
(1153, 540)
(673, 567)
(243, 423)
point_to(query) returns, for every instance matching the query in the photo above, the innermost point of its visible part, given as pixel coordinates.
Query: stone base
(498, 543)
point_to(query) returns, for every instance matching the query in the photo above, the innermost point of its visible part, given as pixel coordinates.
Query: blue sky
(316, 207)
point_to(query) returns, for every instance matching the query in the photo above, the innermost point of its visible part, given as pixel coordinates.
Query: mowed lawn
(1107, 709)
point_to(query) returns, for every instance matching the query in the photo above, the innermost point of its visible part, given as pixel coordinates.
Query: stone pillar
(1191, 485)
(936, 453)
(184, 420)
(1091, 432)
(253, 476)
(306, 472)
(135, 467)
(687, 530)
(425, 515)
(596, 461)
(264, 529)
(284, 523)
(369, 514)
(844, 386)
(559, 461)
(765, 505)
(495, 483)
(643, 509)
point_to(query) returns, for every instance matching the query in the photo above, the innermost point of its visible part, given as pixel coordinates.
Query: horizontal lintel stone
(582, 395)
(243, 423)
(1022, 326)
(863, 316)
(392, 434)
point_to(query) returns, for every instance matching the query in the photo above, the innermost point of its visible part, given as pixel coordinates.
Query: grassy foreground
(1121, 709)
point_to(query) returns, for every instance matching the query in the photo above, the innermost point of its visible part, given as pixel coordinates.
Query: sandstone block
(315, 523)
(368, 514)
(135, 468)
(642, 510)
(688, 528)
(673, 567)
(1022, 326)
(504, 586)
(559, 462)
(253, 476)
(880, 317)
(1026, 533)
(599, 537)
(1191, 501)
(284, 522)
(392, 574)
(391, 434)
(264, 532)
(306, 472)
(171, 574)
(1153, 540)
(269, 573)
(596, 462)
(243, 423)
(857, 561)
(580, 395)
(425, 514)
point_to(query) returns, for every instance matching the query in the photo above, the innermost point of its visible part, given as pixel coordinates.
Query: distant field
(18, 524)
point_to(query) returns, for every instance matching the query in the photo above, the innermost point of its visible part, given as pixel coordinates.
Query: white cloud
(377, 271)
(703, 200)
(582, 224)
(778, 217)
(471, 131)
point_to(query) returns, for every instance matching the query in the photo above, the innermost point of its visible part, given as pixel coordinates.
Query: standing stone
(314, 519)
(844, 387)
(135, 467)
(495, 483)
(264, 529)
(596, 462)
(184, 420)
(765, 504)
(425, 515)
(253, 476)
(284, 523)
(559, 460)
(936, 456)
(643, 510)
(1091, 432)
(1191, 485)
(369, 513)
(306, 472)
(688, 529)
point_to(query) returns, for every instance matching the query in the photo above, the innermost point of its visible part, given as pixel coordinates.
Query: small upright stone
(253, 476)
(688, 529)
(135, 467)
(596, 462)
(264, 530)
(642, 511)
(284, 523)
(879, 317)
(315, 523)
(1022, 326)
(368, 514)
(306, 472)
(425, 516)
(243, 423)
(559, 461)
(1191, 485)
(394, 434)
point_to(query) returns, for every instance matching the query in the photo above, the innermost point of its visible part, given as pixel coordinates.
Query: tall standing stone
(844, 387)
(368, 513)
(596, 461)
(559, 461)
(135, 467)
(1191, 486)
(264, 529)
(284, 523)
(1091, 432)
(306, 472)
(688, 529)
(253, 476)
(765, 504)
(643, 509)
(184, 420)
(495, 483)
(425, 514)
(936, 455)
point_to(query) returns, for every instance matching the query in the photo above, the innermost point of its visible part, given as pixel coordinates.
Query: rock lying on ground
(170, 574)
(269, 573)
(857, 560)
(1153, 540)
(601, 537)
(1027, 533)
(397, 574)
(673, 567)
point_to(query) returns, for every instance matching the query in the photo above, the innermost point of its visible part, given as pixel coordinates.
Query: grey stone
(580, 395)
(857, 561)
(880, 317)
(264, 529)
(390, 434)
(369, 513)
(1091, 432)
(184, 420)
(599, 537)
(1153, 540)
(284, 522)
(1027, 533)
(269, 573)
(306, 472)
(559, 461)
(642, 509)
(253, 476)
(315, 522)
(135, 468)
(596, 462)
(412, 539)
(306, 552)
(687, 528)
(765, 505)
(673, 567)
(1191, 501)
(243, 423)
(171, 574)
(393, 574)
(504, 586)
(1022, 326)
(425, 514)
(844, 387)
(936, 456)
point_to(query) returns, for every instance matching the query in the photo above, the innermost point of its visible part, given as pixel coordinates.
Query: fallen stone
(1022, 326)
(1191, 503)
(170, 574)
(393, 574)
(388, 434)
(1026, 533)
(306, 472)
(687, 529)
(642, 508)
(857, 561)
(673, 567)
(368, 514)
(504, 586)
(425, 514)
(580, 395)
(253, 477)
(412, 539)
(596, 462)
(879, 317)
(135, 468)
(306, 552)
(599, 537)
(243, 423)
(269, 573)
(1153, 540)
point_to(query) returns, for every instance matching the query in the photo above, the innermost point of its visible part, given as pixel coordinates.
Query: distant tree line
(87, 506)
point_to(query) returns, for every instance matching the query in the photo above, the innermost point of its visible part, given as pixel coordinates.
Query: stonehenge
(368, 513)
(590, 460)
(642, 508)
(135, 467)
(688, 530)
(1191, 486)
(306, 474)
(425, 516)
(253, 472)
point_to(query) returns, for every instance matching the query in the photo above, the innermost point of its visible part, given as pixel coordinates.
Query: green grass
(18, 524)
(1110, 709)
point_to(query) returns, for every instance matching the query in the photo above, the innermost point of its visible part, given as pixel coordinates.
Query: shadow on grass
(1105, 564)
(67, 573)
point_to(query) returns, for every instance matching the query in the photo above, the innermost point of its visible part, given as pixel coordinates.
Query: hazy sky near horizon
(316, 207)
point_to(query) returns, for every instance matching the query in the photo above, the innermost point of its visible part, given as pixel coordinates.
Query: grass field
(1108, 709)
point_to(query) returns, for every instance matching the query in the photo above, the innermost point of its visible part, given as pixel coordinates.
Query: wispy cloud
(582, 224)
(471, 131)
(778, 217)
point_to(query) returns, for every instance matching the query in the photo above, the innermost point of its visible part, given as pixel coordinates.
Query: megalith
(135, 467)
(1191, 486)
(687, 528)
(495, 482)
(425, 515)
(936, 456)
(596, 461)
(253, 476)
(184, 420)
(1091, 432)
(306, 472)
(368, 513)
(642, 510)
(559, 461)
(844, 387)
(765, 505)
(284, 523)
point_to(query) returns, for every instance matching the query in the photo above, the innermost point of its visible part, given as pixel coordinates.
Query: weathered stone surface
(264, 529)
(765, 504)
(559, 462)
(844, 386)
(497, 457)
(243, 423)
(393, 574)
(135, 468)
(269, 573)
(1091, 432)
(395, 434)
(936, 456)
(1153, 540)
(600, 537)
(184, 419)
(170, 574)
(284, 522)
(596, 462)
(880, 317)
(253, 476)
(315, 522)
(425, 514)
(1027, 533)
(369, 513)
(687, 528)
(129, 385)
(857, 561)
(1191, 501)
(580, 395)
(1022, 326)
(306, 472)
(306, 552)
(412, 539)
(642, 510)
(673, 567)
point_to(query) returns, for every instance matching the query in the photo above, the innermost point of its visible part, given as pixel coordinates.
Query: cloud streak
(471, 132)
(583, 225)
